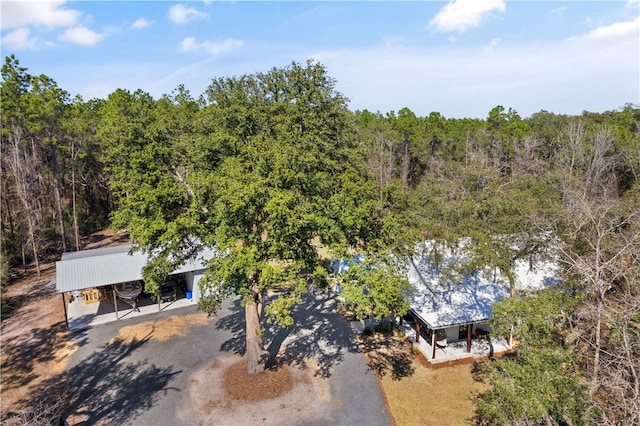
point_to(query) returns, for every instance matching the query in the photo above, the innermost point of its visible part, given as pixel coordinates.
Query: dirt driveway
(181, 367)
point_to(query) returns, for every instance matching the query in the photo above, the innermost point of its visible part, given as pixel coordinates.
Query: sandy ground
(34, 340)
(290, 395)
(162, 330)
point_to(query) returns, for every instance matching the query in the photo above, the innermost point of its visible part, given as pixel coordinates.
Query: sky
(460, 58)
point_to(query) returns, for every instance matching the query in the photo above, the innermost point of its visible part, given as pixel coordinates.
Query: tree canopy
(264, 172)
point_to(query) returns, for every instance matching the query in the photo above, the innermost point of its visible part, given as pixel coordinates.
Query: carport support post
(64, 305)
(469, 331)
(158, 295)
(417, 330)
(433, 343)
(115, 300)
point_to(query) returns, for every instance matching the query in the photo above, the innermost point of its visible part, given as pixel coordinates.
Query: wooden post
(158, 295)
(469, 334)
(417, 330)
(115, 300)
(64, 305)
(433, 343)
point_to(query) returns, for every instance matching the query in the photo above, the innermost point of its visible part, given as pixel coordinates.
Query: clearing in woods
(36, 346)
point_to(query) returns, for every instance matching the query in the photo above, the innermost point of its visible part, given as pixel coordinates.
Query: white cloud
(19, 39)
(394, 41)
(617, 30)
(181, 14)
(218, 47)
(564, 77)
(141, 23)
(559, 10)
(81, 35)
(493, 45)
(48, 14)
(462, 15)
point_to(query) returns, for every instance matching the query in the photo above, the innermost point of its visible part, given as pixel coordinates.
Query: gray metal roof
(70, 255)
(443, 299)
(113, 265)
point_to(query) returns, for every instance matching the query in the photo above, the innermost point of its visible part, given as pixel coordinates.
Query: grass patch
(418, 393)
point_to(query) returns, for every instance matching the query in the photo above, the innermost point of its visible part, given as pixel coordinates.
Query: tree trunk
(73, 196)
(257, 356)
(32, 236)
(406, 165)
(598, 344)
(56, 193)
(20, 169)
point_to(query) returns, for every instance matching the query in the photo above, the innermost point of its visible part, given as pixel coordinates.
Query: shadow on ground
(319, 333)
(31, 294)
(389, 354)
(105, 388)
(21, 353)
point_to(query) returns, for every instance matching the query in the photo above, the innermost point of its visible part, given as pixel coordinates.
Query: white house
(448, 306)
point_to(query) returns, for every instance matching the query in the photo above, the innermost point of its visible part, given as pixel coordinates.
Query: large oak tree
(263, 169)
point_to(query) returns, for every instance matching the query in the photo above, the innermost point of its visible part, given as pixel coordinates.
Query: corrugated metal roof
(441, 305)
(70, 255)
(442, 302)
(99, 267)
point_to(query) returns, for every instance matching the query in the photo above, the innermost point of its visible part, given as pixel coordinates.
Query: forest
(265, 165)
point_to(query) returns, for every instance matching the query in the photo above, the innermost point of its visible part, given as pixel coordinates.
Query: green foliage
(533, 319)
(539, 384)
(541, 381)
(279, 311)
(261, 170)
(384, 327)
(375, 289)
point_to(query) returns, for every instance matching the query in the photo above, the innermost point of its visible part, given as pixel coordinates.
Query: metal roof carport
(107, 266)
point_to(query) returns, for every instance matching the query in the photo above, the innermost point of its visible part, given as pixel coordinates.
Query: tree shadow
(319, 333)
(31, 294)
(234, 322)
(21, 353)
(104, 388)
(389, 354)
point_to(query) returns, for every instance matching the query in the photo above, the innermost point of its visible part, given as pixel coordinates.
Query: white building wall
(192, 279)
(197, 275)
(452, 334)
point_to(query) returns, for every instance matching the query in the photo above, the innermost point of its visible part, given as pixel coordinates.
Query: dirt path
(34, 340)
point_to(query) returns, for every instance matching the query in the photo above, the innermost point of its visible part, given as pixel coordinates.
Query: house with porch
(450, 309)
(106, 284)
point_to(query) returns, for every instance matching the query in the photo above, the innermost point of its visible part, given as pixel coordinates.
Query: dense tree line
(266, 166)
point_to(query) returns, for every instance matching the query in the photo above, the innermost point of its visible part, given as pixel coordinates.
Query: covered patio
(82, 315)
(479, 345)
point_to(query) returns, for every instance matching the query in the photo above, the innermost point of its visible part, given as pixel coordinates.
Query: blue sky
(459, 58)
